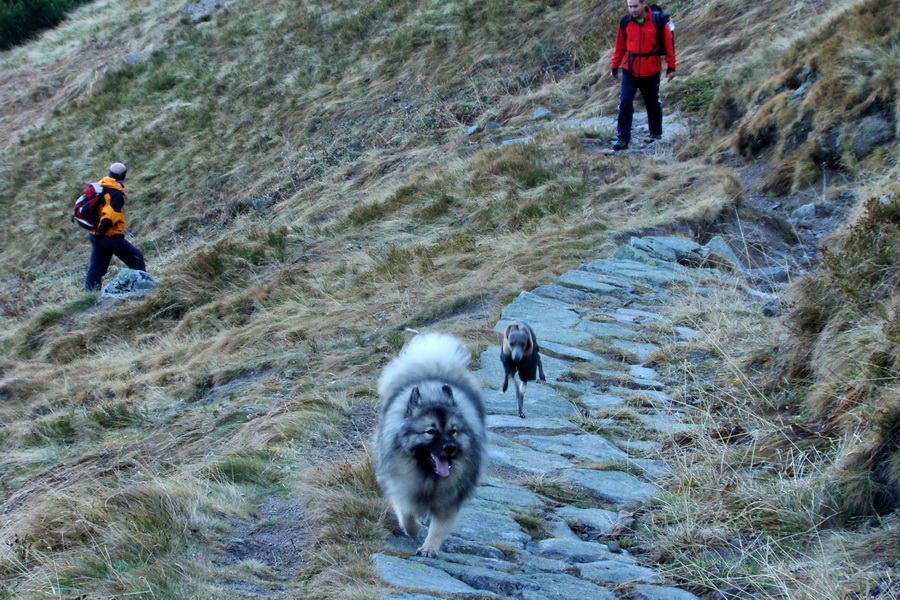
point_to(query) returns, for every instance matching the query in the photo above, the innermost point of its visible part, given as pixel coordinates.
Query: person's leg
(650, 93)
(129, 254)
(626, 106)
(98, 265)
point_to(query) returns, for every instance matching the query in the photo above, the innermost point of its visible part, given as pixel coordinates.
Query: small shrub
(59, 430)
(246, 468)
(114, 416)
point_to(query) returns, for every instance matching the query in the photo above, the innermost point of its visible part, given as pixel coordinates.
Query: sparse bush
(55, 430)
(22, 19)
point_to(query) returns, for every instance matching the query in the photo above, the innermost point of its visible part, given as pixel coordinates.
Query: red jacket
(641, 39)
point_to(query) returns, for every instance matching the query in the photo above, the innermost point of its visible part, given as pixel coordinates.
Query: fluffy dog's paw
(427, 552)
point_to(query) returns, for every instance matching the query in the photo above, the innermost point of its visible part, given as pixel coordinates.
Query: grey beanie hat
(118, 170)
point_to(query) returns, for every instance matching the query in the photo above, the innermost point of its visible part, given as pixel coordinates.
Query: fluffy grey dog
(430, 442)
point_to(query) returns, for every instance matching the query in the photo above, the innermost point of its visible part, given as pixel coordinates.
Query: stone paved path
(608, 303)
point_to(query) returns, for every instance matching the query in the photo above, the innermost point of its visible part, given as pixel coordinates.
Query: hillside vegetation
(299, 182)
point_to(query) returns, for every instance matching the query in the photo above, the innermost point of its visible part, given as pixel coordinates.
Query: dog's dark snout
(517, 353)
(450, 448)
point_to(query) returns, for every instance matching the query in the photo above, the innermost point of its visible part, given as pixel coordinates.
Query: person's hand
(615, 74)
(670, 76)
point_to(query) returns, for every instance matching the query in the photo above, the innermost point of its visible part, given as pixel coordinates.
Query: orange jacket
(112, 211)
(641, 39)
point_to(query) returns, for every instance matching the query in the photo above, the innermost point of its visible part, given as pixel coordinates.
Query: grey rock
(605, 329)
(631, 315)
(601, 401)
(561, 292)
(611, 486)
(771, 275)
(540, 114)
(492, 125)
(642, 372)
(522, 458)
(638, 445)
(873, 131)
(646, 384)
(569, 352)
(533, 423)
(559, 586)
(540, 401)
(488, 521)
(557, 528)
(575, 551)
(807, 211)
(640, 350)
(410, 574)
(656, 592)
(592, 518)
(720, 248)
(629, 269)
(513, 495)
(473, 130)
(130, 283)
(535, 564)
(613, 571)
(483, 577)
(411, 597)
(593, 282)
(570, 445)
(629, 252)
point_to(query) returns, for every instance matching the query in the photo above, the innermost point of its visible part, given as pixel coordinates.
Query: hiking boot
(620, 145)
(656, 137)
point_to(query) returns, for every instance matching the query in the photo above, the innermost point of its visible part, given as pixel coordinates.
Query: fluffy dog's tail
(427, 356)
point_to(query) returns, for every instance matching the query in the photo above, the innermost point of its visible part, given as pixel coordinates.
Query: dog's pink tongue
(441, 466)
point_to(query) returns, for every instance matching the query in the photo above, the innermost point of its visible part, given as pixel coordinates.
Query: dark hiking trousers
(103, 248)
(649, 87)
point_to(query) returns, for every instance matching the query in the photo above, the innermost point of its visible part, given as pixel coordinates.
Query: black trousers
(103, 248)
(649, 87)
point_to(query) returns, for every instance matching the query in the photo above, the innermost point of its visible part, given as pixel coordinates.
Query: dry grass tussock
(316, 199)
(787, 489)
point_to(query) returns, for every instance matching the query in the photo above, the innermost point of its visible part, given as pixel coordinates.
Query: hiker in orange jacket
(108, 239)
(637, 51)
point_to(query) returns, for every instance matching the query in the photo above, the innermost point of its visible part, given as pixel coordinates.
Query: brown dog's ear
(504, 341)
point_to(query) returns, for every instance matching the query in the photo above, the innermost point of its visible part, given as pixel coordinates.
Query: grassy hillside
(300, 184)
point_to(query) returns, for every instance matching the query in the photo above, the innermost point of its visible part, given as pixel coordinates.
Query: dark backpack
(87, 207)
(660, 20)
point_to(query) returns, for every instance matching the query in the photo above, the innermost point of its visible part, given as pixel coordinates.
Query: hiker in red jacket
(639, 49)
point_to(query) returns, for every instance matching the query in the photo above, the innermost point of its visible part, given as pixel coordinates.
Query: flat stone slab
(576, 551)
(411, 597)
(413, 575)
(592, 282)
(570, 445)
(592, 518)
(615, 487)
(630, 269)
(637, 445)
(561, 292)
(540, 401)
(633, 315)
(640, 350)
(569, 352)
(686, 333)
(514, 422)
(453, 545)
(514, 495)
(482, 577)
(610, 571)
(656, 592)
(601, 401)
(559, 586)
(509, 454)
(642, 372)
(606, 330)
(485, 522)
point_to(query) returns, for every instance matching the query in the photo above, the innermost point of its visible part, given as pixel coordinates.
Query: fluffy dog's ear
(448, 391)
(414, 397)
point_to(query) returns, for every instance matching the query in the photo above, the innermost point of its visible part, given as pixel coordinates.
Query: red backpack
(87, 207)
